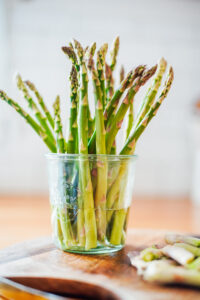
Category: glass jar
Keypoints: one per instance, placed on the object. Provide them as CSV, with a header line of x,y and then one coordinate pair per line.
x,y
90,197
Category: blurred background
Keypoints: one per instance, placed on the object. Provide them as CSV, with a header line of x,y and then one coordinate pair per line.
x,y
31,35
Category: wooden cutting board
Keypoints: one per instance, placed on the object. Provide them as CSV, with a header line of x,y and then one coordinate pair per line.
x,y
40,265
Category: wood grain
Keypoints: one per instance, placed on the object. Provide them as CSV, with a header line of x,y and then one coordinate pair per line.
x,y
40,265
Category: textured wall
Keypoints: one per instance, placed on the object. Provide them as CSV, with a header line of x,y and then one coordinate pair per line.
x,y
31,34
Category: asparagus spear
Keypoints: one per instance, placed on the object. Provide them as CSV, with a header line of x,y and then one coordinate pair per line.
x,y
72,144
193,249
101,54
115,187
110,68
121,74
41,119
69,51
152,92
101,187
86,184
114,52
195,264
131,141
60,143
109,82
130,118
38,129
181,255
151,253
129,148
178,238
115,123
41,102
163,273
113,103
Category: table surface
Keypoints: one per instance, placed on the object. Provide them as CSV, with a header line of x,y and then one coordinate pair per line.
x,y
28,217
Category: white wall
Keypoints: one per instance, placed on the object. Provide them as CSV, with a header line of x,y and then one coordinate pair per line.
x,y
36,29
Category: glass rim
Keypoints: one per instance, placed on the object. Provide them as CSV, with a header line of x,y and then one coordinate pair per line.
x,y
72,156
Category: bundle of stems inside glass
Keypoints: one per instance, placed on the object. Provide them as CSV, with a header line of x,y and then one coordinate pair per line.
x,y
96,135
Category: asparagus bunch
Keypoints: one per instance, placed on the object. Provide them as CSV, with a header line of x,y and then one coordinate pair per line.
x,y
100,217
177,262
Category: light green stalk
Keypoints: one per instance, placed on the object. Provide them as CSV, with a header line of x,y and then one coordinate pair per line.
x,y
113,148
72,144
179,254
193,249
60,143
64,219
86,183
131,141
101,55
69,51
38,129
151,253
152,92
91,121
41,102
41,119
110,68
115,123
101,186
109,83
178,238
121,74
111,106
164,273
114,52
130,120
120,212
195,264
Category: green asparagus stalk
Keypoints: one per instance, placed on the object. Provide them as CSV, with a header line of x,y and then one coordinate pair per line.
x,y
91,121
38,129
86,183
72,144
114,124
41,102
130,118
109,83
69,51
114,52
179,254
131,141
64,219
152,92
110,68
121,74
112,105
164,273
130,147
41,119
101,55
60,143
101,187
193,249
151,253
113,148
195,264
178,238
